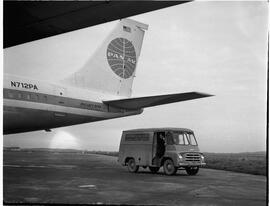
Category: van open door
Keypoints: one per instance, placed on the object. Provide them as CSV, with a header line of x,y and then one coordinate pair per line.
x,y
159,148
154,149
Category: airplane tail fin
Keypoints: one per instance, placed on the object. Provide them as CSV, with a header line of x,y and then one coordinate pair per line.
x,y
112,67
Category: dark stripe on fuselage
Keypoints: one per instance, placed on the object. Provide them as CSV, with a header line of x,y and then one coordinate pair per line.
x,y
57,100
17,119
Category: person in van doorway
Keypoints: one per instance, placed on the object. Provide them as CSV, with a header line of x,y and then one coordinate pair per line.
x,y
160,145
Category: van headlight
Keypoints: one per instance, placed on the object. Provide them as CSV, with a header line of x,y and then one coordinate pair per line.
x,y
180,156
202,157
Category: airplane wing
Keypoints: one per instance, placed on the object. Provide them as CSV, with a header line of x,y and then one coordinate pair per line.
x,y
150,101
26,21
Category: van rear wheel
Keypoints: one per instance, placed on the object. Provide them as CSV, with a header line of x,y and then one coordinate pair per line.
x,y
132,167
154,169
169,167
192,170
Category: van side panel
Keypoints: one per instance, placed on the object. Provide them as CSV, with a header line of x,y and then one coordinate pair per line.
x,y
137,145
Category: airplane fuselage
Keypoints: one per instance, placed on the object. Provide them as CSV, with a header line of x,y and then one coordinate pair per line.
x,y
101,89
31,105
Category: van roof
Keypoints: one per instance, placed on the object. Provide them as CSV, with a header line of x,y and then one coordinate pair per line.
x,y
159,129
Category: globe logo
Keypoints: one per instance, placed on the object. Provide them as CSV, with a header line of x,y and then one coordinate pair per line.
x,y
121,57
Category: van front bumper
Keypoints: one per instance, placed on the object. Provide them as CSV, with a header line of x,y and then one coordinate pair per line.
x,y
187,164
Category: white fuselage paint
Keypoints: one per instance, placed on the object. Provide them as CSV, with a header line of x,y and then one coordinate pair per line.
x,y
31,105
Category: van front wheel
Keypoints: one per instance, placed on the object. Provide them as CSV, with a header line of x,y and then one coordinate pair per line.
x,y
169,167
132,167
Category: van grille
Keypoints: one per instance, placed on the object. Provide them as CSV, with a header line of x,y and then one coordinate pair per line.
x,y
192,157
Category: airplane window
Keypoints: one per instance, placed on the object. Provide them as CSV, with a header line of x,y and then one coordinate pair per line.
x,y
20,95
45,98
37,97
10,95
28,96
34,97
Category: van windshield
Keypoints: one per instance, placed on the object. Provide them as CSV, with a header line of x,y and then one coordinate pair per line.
x,y
184,138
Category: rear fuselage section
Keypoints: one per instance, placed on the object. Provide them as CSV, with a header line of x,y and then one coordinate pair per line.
x,y
31,105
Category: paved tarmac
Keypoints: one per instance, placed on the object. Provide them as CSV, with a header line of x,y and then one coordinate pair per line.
x,y
46,177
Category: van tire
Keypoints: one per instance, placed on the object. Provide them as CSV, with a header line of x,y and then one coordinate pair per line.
x,y
169,168
132,167
192,170
154,169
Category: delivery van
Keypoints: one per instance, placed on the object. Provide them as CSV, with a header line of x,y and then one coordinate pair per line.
x,y
170,148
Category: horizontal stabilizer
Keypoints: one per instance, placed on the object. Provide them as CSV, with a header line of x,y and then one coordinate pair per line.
x,y
150,101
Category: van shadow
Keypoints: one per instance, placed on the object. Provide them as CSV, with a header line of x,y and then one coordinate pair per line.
x,y
161,173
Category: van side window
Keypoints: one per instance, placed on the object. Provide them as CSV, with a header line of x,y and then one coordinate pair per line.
x,y
169,138
186,139
179,139
192,139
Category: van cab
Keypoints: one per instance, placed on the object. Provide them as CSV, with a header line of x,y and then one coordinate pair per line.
x,y
170,148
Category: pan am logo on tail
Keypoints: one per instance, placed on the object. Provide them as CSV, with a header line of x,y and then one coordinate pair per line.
x,y
121,57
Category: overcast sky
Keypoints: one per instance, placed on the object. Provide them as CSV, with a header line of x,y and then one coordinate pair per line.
x,y
212,47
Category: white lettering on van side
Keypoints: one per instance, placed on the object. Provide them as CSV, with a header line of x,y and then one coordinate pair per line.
x,y
23,85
